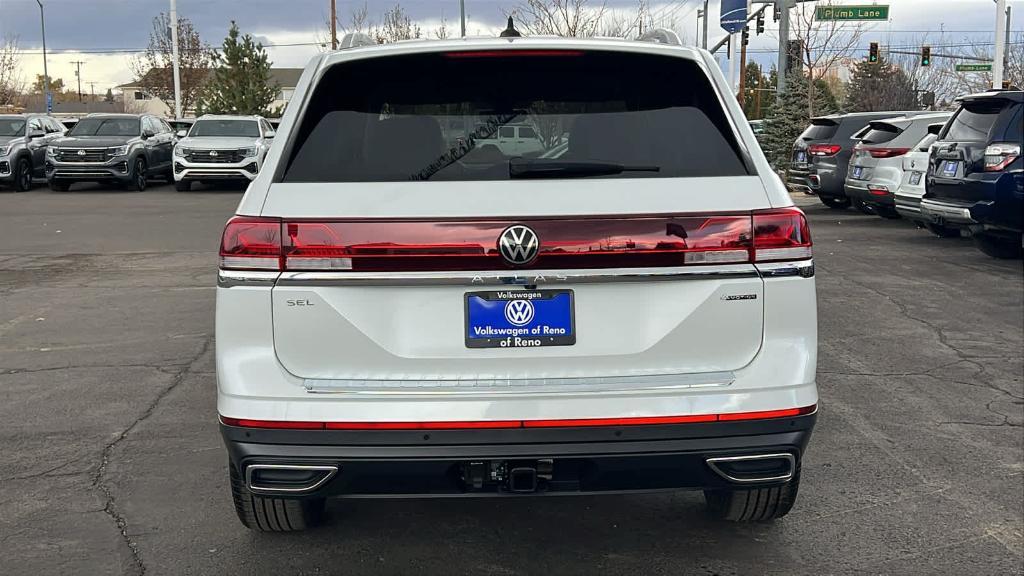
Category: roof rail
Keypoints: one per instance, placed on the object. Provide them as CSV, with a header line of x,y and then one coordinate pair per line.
x,y
353,39
661,36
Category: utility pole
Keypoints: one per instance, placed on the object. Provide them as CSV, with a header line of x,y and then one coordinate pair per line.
x,y
174,58
743,67
704,39
334,24
1006,42
783,6
46,74
997,61
78,75
462,18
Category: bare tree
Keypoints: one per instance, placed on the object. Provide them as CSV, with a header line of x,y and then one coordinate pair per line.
x,y
10,80
358,22
395,25
574,18
441,32
824,44
153,68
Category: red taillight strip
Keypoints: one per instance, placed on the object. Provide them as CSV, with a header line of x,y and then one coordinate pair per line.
x,y
505,424
511,53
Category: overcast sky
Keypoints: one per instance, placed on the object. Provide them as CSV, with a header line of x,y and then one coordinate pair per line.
x,y
94,31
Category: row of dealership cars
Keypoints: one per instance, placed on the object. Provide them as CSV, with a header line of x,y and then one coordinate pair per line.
x,y
958,173
130,150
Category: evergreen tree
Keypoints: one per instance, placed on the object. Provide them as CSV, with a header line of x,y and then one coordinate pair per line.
x,y
241,82
109,97
789,117
878,87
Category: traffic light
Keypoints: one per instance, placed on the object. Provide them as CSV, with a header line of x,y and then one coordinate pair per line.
x,y
745,36
873,53
760,23
926,56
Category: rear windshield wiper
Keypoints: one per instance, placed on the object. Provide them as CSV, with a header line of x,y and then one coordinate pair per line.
x,y
540,168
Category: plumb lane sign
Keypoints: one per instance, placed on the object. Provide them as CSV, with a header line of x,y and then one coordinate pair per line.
x,y
853,12
973,67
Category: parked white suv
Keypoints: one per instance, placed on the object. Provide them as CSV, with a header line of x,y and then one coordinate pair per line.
x,y
220,147
403,313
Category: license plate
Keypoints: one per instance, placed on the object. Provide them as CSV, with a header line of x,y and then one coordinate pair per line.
x,y
949,168
857,171
801,157
520,319
915,178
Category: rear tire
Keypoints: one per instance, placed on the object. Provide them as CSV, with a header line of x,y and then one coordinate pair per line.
x,y
1002,247
835,203
183,185
268,514
59,186
23,175
752,504
943,231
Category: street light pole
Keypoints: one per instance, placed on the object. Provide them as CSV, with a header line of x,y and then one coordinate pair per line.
x,y
462,18
784,6
704,39
174,58
46,73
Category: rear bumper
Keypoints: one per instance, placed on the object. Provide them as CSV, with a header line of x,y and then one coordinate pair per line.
x,y
946,212
865,196
909,207
441,463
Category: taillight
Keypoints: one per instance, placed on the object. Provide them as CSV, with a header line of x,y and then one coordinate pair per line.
x,y
886,152
824,149
251,244
875,190
573,243
1000,155
511,53
781,234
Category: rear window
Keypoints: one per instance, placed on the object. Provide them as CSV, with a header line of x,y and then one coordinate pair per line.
x,y
497,115
880,132
820,130
974,121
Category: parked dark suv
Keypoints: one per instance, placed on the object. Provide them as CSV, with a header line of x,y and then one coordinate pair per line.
x,y
821,155
23,142
124,148
976,174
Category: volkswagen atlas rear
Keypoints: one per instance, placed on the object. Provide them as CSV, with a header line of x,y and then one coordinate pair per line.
x,y
404,311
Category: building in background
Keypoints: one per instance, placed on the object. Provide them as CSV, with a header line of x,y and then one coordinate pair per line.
x,y
138,102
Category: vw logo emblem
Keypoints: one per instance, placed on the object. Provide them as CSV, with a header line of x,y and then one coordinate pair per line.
x,y
518,244
519,312
213,154
81,152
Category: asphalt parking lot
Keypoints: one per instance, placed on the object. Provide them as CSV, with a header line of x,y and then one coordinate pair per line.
x,y
112,462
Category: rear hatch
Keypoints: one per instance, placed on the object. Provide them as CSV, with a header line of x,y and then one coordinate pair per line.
x,y
959,152
815,141
874,146
426,242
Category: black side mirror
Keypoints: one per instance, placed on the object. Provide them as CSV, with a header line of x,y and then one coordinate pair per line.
x,y
36,134
147,134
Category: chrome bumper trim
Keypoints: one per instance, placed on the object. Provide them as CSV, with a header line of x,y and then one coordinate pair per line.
x,y
948,212
232,278
802,269
653,383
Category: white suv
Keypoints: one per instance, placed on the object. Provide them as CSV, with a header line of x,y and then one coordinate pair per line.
x,y
402,312
219,147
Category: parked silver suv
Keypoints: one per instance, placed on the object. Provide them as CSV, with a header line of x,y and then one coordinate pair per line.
x,y
23,142
221,148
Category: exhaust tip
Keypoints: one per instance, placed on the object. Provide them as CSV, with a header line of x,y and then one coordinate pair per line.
x,y
287,478
754,468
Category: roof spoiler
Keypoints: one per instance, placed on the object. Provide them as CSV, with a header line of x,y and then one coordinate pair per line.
x,y
354,39
661,36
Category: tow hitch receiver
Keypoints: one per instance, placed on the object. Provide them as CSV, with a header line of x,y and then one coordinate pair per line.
x,y
519,476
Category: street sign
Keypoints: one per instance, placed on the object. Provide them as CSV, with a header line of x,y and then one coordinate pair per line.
x,y
974,67
734,15
49,102
852,12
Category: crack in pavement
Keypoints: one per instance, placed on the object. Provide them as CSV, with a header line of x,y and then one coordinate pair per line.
x,y
98,479
939,333
158,367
